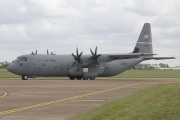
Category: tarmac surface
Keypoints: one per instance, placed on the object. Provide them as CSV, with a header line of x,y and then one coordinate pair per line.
x,y
61,98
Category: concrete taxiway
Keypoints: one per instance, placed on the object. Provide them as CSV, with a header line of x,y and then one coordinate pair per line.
x,y
60,98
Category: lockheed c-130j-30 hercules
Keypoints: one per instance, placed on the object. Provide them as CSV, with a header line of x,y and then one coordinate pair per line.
x,y
79,66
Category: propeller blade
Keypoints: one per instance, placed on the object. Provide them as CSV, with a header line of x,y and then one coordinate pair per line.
x,y
80,54
73,55
77,57
74,63
96,51
78,66
95,55
98,55
77,51
81,61
91,52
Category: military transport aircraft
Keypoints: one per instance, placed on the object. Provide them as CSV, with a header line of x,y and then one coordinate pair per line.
x,y
79,66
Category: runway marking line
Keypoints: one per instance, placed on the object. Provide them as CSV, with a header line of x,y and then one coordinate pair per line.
x,y
4,94
65,99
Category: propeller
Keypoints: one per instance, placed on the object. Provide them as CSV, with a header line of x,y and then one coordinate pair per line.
x,y
34,53
94,54
77,57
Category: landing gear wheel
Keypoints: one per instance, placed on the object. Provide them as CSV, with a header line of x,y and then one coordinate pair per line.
x,y
85,78
92,78
71,78
78,78
24,77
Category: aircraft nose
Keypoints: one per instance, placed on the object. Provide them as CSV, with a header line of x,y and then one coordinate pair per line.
x,y
10,68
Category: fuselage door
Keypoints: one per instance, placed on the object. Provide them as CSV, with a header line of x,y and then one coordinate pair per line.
x,y
36,71
24,68
106,69
61,67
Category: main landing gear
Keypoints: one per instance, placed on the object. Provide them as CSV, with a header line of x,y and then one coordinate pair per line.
x,y
79,78
24,77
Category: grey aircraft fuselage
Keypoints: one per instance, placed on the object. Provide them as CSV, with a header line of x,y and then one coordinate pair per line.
x,y
85,66
60,65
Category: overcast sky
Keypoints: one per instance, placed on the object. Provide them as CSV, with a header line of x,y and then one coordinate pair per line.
x,y
112,25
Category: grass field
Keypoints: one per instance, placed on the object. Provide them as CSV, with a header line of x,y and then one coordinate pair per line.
x,y
6,74
127,74
160,102
150,74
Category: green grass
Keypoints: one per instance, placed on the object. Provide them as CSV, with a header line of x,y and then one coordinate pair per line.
x,y
150,74
6,74
127,74
160,102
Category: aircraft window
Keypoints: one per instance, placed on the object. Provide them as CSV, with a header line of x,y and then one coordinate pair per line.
x,y
22,58
17,59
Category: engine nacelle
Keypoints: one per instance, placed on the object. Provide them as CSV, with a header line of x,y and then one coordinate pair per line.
x,y
90,75
75,72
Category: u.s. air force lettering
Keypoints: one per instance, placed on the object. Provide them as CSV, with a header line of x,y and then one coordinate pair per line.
x,y
46,60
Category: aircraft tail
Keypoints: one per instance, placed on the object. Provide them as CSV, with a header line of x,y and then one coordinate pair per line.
x,y
144,43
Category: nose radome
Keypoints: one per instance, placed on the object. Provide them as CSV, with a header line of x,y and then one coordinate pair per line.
x,y
9,68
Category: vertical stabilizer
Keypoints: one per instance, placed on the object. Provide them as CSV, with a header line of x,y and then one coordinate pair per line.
x,y
144,43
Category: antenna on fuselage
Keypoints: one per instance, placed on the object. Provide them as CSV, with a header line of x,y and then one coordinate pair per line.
x,y
51,53
47,52
32,53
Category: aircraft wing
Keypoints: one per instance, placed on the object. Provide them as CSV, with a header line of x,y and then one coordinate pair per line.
x,y
130,55
159,58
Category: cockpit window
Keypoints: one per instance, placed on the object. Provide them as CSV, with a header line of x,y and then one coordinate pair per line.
x,y
22,59
17,59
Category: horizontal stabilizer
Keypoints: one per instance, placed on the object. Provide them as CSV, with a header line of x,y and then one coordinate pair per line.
x,y
130,55
159,58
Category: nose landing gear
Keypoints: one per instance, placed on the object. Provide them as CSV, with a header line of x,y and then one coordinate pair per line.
x,y
24,77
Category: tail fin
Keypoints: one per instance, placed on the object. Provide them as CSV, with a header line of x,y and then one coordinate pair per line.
x,y
144,43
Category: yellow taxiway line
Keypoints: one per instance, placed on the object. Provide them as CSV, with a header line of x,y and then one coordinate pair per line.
x,y
65,99
4,94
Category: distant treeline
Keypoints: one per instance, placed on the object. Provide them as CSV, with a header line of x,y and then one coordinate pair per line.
x,y
4,64
150,67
